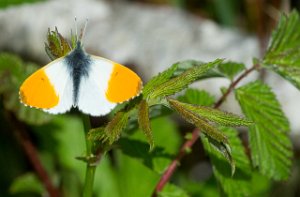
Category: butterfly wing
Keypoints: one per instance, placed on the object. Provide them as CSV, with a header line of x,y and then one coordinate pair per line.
x,y
49,88
107,84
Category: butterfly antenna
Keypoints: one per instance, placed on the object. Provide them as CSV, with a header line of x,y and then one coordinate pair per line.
x,y
76,31
83,30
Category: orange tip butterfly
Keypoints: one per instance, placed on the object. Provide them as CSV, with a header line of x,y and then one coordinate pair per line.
x,y
94,85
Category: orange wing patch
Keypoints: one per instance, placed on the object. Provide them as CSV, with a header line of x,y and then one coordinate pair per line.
x,y
37,91
123,85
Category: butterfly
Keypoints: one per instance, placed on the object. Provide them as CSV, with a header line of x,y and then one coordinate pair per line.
x,y
93,84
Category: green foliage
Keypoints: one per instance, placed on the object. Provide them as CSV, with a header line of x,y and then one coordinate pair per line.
x,y
26,184
238,184
57,45
197,120
113,129
6,3
283,53
130,173
197,97
171,190
137,170
217,138
167,141
231,69
159,79
269,136
144,122
214,115
180,82
12,73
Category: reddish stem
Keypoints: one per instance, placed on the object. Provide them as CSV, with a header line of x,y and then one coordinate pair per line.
x,y
32,154
233,85
172,167
195,134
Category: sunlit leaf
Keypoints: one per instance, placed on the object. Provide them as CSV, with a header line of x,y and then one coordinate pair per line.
x,y
198,121
269,136
185,65
215,115
158,80
231,69
283,53
182,81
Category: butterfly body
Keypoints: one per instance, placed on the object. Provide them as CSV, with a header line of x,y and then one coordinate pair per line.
x,y
93,84
78,62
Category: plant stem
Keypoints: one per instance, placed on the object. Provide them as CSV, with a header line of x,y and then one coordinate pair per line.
x,y
195,134
172,167
89,181
90,169
233,85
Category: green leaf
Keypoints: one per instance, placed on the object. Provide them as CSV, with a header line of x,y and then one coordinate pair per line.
x,y
283,53
144,122
115,126
97,134
167,141
185,65
107,182
171,190
57,45
130,172
4,4
215,115
269,136
216,138
13,71
238,184
231,69
159,79
198,121
182,81
224,150
113,129
134,160
63,141
197,97
27,183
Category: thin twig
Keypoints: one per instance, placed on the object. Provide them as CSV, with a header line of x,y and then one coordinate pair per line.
x,y
195,134
233,85
172,167
32,154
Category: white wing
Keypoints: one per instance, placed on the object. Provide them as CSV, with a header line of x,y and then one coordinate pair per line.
x,y
59,76
92,90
